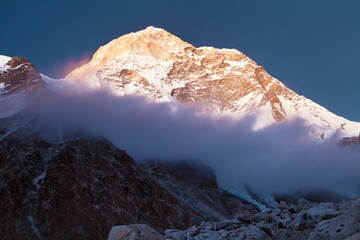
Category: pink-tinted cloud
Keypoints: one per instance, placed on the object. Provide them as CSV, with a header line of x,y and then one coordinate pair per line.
x,y
62,68
280,158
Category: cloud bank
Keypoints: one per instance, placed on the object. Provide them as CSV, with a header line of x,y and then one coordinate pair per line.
x,y
281,158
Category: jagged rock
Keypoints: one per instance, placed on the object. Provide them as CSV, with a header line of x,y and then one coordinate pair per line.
x,y
301,221
134,232
350,141
283,205
19,80
323,211
345,225
280,222
304,204
19,76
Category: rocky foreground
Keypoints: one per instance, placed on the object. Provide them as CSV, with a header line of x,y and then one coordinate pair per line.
x,y
304,220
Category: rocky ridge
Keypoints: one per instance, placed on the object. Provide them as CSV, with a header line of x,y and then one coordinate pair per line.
x,y
18,79
18,75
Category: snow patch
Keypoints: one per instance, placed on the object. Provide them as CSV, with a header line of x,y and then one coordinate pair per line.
x,y
34,229
321,120
36,181
2,88
240,64
245,196
4,60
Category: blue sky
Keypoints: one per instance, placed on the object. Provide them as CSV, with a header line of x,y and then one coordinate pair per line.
x,y
311,46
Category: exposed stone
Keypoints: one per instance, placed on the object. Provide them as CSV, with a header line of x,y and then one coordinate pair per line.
x,y
304,204
249,218
134,232
301,222
283,205
323,211
341,227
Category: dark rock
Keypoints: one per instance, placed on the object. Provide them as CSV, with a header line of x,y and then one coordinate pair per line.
x,y
249,218
78,189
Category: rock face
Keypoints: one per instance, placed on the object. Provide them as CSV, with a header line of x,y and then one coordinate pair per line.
x,y
78,188
350,141
162,67
194,185
18,75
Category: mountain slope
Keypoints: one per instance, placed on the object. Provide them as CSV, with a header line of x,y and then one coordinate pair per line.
x,y
159,65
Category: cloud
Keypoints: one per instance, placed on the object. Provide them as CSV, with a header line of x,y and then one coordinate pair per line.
x,y
62,68
278,159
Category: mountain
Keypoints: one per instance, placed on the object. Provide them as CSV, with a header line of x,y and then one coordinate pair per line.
x,y
66,185
18,75
162,67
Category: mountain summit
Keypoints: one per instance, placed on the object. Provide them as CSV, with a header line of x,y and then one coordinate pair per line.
x,y
156,64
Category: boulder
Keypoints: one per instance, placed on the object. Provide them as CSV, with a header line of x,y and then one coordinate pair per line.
x,y
341,227
134,232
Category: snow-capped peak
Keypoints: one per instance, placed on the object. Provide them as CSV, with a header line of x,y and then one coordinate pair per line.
x,y
4,60
161,66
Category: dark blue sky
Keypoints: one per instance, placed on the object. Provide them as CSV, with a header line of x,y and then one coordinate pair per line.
x,y
311,46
